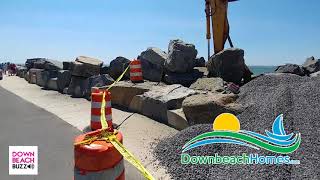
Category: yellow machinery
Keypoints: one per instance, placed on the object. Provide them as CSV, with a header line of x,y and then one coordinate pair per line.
x,y
217,13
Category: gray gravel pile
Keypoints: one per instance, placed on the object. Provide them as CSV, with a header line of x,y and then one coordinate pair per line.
x,y
298,98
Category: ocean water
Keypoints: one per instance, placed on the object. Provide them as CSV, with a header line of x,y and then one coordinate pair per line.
x,y
256,70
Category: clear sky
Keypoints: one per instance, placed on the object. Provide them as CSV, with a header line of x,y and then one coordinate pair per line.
x,y
271,32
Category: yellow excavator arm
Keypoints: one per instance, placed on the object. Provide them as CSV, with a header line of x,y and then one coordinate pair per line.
x,y
217,16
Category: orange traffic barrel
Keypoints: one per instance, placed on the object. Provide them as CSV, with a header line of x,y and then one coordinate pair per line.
x,y
136,71
99,160
96,103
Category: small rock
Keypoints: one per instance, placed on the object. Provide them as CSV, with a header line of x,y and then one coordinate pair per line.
x,y
200,62
117,66
152,63
316,74
291,69
181,57
177,119
209,84
204,108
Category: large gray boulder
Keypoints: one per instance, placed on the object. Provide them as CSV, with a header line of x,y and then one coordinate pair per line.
x,y
30,62
185,79
52,84
311,65
152,62
63,79
229,64
204,108
181,57
44,77
209,84
156,102
98,81
117,66
85,66
291,69
78,86
123,92
44,63
34,75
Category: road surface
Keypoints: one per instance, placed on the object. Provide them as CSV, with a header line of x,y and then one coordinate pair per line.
x,y
24,124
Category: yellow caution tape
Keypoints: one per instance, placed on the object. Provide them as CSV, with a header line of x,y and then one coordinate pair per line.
x,y
110,137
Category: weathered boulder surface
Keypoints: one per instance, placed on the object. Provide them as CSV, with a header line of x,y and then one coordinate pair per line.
x,y
52,84
209,84
123,92
229,64
204,108
316,74
177,119
185,79
34,75
98,81
66,65
27,76
30,62
200,62
117,66
152,63
77,87
104,69
44,77
47,64
85,66
63,79
291,69
311,65
181,57
156,102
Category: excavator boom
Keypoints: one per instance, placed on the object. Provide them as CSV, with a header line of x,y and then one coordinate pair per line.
x,y
217,19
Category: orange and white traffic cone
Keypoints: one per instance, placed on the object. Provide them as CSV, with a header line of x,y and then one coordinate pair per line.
x,y
98,160
136,71
96,103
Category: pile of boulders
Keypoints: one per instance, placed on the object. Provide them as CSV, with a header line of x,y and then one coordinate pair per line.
x,y
310,67
74,78
178,86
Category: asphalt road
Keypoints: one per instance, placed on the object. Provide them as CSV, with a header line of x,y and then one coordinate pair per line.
x,y
24,124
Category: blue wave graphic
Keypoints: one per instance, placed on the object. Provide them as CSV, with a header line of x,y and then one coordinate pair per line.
x,y
271,139
218,141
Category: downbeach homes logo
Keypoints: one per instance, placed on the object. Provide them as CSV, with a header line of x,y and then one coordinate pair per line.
x,y
226,129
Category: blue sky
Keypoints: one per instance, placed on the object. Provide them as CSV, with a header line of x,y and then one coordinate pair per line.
x,y
271,32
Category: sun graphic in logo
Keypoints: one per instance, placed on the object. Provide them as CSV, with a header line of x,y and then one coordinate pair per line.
x,y
226,122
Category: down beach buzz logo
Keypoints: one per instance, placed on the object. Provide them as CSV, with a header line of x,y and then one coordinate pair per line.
x,y
226,129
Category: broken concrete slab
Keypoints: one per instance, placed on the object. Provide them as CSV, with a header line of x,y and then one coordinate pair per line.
x,y
177,119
